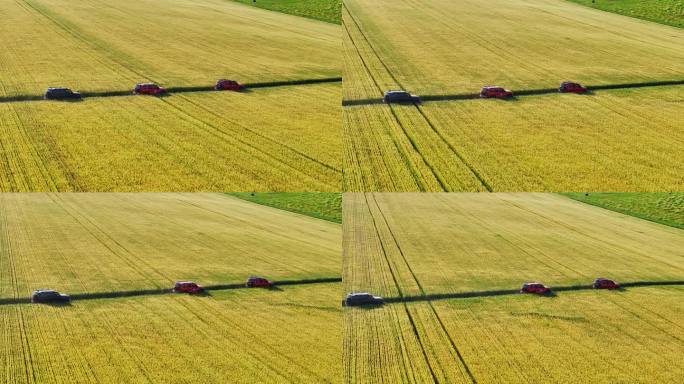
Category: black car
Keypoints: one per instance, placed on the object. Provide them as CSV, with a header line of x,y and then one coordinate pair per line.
x,y
61,94
49,296
361,298
400,97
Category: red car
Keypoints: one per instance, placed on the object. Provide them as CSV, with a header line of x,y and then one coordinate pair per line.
x,y
538,288
495,92
148,89
258,282
228,85
187,287
602,283
570,87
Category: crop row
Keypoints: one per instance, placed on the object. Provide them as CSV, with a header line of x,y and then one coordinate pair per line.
x,y
49,44
182,142
120,242
288,337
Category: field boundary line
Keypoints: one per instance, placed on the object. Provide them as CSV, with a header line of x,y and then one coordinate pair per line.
x,y
507,292
179,89
166,291
523,92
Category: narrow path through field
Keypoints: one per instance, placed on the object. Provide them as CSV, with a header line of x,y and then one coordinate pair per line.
x,y
516,93
152,292
507,292
187,89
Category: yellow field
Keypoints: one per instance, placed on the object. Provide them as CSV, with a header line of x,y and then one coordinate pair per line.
x,y
577,337
85,243
412,247
184,142
97,45
284,336
444,243
445,47
611,140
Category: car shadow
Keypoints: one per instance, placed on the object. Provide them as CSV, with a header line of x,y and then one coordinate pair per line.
x,y
367,307
275,288
57,303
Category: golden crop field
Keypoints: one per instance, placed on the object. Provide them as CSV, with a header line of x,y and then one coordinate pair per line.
x,y
426,252
445,243
279,336
609,140
577,337
100,242
445,47
183,142
622,140
98,45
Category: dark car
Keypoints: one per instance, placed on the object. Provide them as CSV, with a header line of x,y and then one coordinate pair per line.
x,y
187,287
538,288
400,97
489,92
228,85
148,89
258,282
570,87
361,298
61,94
603,283
49,296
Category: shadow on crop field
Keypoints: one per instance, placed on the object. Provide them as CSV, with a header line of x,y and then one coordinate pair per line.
x,y
508,292
522,92
188,89
158,291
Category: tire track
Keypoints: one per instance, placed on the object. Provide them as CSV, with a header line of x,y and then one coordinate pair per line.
x,y
404,156
407,372
458,155
454,347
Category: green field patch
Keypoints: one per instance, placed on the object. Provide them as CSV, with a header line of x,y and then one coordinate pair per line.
x,y
322,205
663,208
670,12
324,10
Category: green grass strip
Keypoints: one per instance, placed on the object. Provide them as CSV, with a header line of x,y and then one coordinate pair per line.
x,y
324,10
669,12
321,205
660,207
